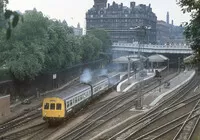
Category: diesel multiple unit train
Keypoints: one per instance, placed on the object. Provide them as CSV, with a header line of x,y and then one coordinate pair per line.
x,y
58,107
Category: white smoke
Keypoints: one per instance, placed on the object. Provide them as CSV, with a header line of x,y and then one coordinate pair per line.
x,y
103,72
86,76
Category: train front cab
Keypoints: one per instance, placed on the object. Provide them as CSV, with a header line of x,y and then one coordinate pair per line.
x,y
53,109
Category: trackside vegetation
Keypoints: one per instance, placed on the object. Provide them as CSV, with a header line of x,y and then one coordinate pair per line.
x,y
40,45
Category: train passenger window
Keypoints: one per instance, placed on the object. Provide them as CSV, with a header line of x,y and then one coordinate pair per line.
x,y
58,106
76,100
46,106
52,106
68,104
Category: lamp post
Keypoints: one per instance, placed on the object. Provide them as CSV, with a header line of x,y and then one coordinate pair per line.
x,y
129,65
178,64
145,28
168,65
139,100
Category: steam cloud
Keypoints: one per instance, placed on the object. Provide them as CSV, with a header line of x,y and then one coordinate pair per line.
x,y
103,72
86,76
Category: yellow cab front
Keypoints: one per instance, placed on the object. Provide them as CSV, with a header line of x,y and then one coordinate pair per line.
x,y
53,109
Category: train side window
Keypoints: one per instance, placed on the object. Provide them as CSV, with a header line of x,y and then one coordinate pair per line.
x,y
46,106
70,102
58,106
75,99
52,106
67,103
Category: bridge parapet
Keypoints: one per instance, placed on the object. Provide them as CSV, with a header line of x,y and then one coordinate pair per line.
x,y
171,48
136,45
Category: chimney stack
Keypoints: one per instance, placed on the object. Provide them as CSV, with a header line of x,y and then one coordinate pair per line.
x,y
132,5
167,18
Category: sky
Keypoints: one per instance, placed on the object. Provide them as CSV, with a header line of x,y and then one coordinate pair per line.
x,y
73,11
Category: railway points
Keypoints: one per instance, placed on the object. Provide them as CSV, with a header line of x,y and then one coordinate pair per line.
x,y
119,119
114,128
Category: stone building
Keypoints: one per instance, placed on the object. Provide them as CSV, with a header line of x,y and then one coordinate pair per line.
x,y
163,32
169,33
124,24
78,31
176,35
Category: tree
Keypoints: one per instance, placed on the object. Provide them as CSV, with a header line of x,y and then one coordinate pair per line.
x,y
63,47
41,45
192,30
23,54
91,47
104,37
8,18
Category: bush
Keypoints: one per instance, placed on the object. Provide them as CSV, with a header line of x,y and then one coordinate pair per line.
x,y
5,74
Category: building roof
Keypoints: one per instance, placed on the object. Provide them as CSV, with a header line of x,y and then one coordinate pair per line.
x,y
189,59
125,59
157,58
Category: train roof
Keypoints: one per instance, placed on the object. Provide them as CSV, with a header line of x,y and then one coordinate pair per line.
x,y
71,91
77,88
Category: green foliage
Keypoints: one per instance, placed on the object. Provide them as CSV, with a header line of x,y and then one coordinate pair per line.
x,y
8,19
4,74
91,48
192,31
63,48
41,45
104,37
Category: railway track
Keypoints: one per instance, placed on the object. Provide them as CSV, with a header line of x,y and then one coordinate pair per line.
x,y
46,131
25,117
165,108
19,121
24,132
187,129
177,125
90,124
